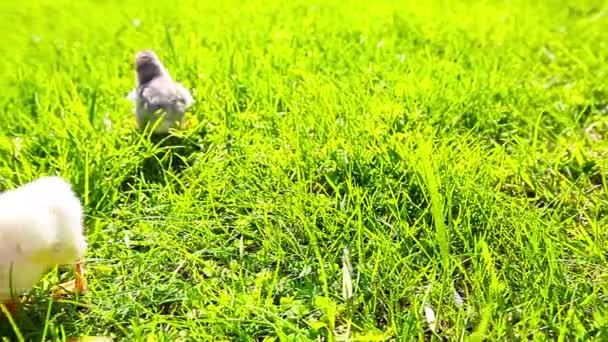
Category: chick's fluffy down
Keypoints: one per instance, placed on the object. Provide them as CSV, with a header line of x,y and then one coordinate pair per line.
x,y
40,227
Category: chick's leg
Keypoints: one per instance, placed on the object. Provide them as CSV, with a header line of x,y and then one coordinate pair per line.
x,y
77,285
11,307
81,280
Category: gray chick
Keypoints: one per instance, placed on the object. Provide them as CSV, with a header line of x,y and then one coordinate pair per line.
x,y
157,95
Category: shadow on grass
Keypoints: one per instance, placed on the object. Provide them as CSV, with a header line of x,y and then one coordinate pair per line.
x,y
36,317
172,158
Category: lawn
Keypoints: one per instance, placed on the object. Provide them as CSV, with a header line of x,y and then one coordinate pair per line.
x,y
349,169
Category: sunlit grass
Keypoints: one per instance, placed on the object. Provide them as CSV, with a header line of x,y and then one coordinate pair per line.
x,y
456,150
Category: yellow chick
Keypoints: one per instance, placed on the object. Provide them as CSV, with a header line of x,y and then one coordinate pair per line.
x,y
41,226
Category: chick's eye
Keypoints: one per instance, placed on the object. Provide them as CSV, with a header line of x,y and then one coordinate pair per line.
x,y
56,248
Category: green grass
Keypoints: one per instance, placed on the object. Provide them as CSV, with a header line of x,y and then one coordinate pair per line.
x,y
449,146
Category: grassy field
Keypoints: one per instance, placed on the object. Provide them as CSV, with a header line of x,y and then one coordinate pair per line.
x,y
348,168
